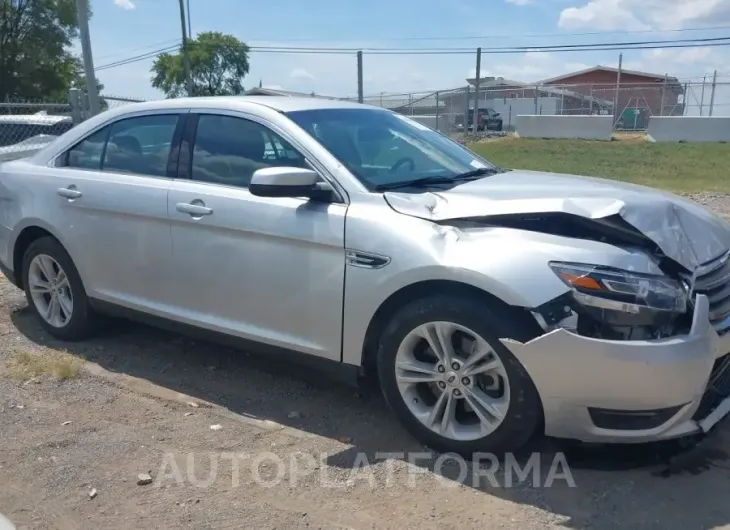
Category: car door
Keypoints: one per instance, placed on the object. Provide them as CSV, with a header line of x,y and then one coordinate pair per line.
x,y
111,190
265,269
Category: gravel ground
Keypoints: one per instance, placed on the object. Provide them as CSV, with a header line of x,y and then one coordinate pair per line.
x,y
308,452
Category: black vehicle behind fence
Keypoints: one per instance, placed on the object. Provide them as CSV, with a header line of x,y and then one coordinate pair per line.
x,y
487,120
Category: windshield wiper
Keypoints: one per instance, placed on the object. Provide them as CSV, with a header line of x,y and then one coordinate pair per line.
x,y
431,181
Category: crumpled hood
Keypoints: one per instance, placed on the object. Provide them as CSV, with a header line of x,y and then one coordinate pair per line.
x,y
683,230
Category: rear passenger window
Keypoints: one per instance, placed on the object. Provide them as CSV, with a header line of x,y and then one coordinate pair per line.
x,y
140,145
228,150
87,154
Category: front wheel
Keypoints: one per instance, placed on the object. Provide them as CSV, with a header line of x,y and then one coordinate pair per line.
x,y
450,380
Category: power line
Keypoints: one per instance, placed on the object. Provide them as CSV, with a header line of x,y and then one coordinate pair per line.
x,y
497,48
472,37
149,46
509,35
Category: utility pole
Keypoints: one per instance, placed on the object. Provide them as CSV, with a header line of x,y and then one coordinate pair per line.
x,y
476,89
190,24
712,94
186,58
82,13
359,77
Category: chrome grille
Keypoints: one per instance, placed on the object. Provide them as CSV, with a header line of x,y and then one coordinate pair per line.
x,y
713,280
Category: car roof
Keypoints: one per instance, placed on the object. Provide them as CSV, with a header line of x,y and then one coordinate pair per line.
x,y
279,103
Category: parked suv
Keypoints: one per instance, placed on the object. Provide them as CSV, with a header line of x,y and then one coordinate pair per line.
x,y
488,303
487,120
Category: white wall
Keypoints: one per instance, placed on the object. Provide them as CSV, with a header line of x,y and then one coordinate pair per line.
x,y
521,106
430,121
689,129
579,127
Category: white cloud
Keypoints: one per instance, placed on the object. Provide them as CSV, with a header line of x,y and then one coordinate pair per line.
x,y
127,5
644,14
300,73
601,15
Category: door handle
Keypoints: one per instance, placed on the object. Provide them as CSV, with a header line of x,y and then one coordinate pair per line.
x,y
69,193
195,210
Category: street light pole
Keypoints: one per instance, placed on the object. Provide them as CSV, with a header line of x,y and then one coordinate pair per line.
x,y
83,19
186,59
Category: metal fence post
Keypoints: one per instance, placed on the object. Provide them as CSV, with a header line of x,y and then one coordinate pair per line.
x,y
466,110
476,90
664,93
712,93
537,89
359,77
437,111
74,99
616,116
702,96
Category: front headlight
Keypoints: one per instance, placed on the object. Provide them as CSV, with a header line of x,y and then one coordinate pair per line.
x,y
621,290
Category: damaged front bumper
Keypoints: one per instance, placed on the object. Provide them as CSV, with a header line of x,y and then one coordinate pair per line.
x,y
596,390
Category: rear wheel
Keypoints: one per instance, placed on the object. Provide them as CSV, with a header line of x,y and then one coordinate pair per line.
x,y
54,290
450,380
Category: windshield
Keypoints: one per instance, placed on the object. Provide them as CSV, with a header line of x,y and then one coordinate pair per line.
x,y
380,147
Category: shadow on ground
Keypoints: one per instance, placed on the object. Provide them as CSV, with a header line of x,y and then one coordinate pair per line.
x,y
649,486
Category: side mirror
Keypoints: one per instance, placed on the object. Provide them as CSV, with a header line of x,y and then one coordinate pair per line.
x,y
288,182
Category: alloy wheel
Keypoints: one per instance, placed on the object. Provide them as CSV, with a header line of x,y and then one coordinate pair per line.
x,y
452,381
50,290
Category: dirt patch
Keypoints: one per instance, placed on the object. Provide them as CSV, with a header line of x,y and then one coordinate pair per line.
x,y
27,366
290,449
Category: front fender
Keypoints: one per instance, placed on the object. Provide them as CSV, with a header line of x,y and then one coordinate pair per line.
x,y
507,263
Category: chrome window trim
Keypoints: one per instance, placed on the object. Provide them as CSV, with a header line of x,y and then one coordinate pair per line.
x,y
138,114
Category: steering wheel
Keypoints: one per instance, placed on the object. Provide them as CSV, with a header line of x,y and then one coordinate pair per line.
x,y
405,160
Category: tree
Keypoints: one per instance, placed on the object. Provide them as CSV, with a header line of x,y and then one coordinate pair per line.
x,y
218,64
35,58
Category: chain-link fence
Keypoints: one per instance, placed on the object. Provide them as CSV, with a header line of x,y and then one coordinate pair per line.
x,y
499,102
28,126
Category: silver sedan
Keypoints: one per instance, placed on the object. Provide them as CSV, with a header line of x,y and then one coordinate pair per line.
x,y
489,303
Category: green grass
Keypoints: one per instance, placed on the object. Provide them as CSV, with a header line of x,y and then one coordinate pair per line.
x,y
675,167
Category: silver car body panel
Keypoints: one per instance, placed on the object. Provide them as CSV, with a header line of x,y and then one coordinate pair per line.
x,y
294,273
622,375
685,232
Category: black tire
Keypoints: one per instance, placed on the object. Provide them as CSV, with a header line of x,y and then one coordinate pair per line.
x,y
524,415
79,325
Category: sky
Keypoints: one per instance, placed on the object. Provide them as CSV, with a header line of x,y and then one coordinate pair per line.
x,y
124,28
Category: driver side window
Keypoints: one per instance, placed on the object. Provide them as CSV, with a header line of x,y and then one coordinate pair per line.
x,y
228,150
